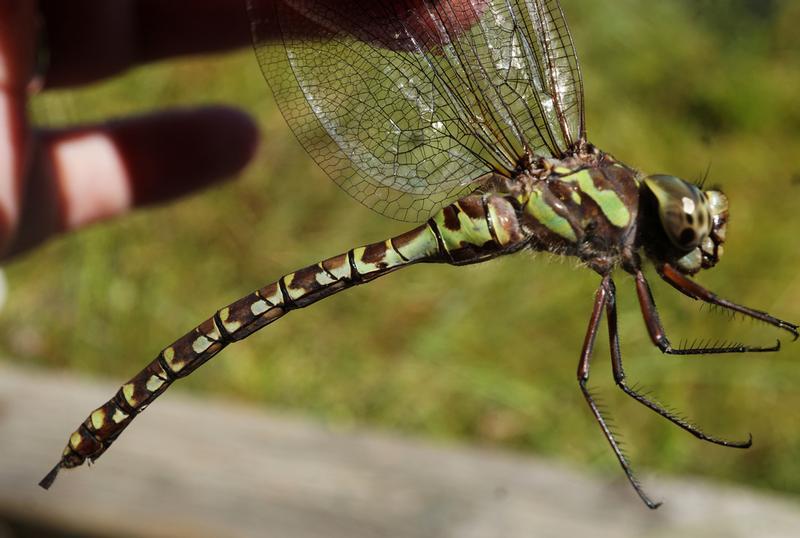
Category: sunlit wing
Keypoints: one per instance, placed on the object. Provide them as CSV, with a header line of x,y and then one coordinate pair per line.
x,y
407,104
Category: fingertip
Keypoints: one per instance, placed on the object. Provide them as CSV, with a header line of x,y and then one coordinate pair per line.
x,y
95,172
170,153
231,133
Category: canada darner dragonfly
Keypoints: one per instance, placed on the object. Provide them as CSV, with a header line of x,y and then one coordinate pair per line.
x,y
467,115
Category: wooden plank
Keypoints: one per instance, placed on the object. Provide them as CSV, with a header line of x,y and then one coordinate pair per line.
x,y
192,467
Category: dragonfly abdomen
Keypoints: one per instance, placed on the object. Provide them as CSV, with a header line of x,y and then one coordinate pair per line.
x,y
478,227
471,230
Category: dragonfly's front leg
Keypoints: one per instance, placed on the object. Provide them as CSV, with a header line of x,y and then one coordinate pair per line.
x,y
604,293
659,336
694,290
651,318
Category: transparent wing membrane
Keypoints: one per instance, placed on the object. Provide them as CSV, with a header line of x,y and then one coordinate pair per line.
x,y
407,104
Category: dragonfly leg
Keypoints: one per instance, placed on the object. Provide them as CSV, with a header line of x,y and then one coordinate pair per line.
x,y
619,378
659,337
694,290
605,290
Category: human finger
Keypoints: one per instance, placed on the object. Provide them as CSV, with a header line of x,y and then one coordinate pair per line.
x,y
392,24
93,39
89,40
17,50
92,173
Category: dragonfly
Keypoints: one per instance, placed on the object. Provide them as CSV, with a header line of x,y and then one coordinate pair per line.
x,y
466,117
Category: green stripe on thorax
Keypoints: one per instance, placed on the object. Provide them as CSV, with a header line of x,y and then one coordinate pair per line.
x,y
542,211
609,202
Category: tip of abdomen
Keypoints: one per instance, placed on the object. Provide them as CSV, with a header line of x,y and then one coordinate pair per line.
x,y
48,480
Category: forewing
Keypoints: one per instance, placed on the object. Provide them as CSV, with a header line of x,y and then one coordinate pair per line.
x,y
406,104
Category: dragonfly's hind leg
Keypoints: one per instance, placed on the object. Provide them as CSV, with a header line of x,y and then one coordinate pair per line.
x,y
619,372
604,292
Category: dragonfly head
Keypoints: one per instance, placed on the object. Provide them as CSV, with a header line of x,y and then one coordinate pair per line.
x,y
690,227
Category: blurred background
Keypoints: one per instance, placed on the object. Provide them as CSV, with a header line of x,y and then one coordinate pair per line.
x,y
485,355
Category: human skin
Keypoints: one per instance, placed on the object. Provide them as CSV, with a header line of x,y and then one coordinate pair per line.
x,y
54,181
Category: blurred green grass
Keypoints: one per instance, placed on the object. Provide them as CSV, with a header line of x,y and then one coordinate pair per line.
x,y
488,353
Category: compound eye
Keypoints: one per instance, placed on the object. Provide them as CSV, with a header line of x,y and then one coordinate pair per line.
x,y
682,210
688,237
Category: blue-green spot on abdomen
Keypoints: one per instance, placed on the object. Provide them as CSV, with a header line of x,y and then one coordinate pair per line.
x,y
608,201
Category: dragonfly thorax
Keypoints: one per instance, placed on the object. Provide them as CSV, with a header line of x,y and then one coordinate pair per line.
x,y
584,205
683,225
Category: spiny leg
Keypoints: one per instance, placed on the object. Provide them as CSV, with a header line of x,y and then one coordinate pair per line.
x,y
659,337
600,301
619,372
694,290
